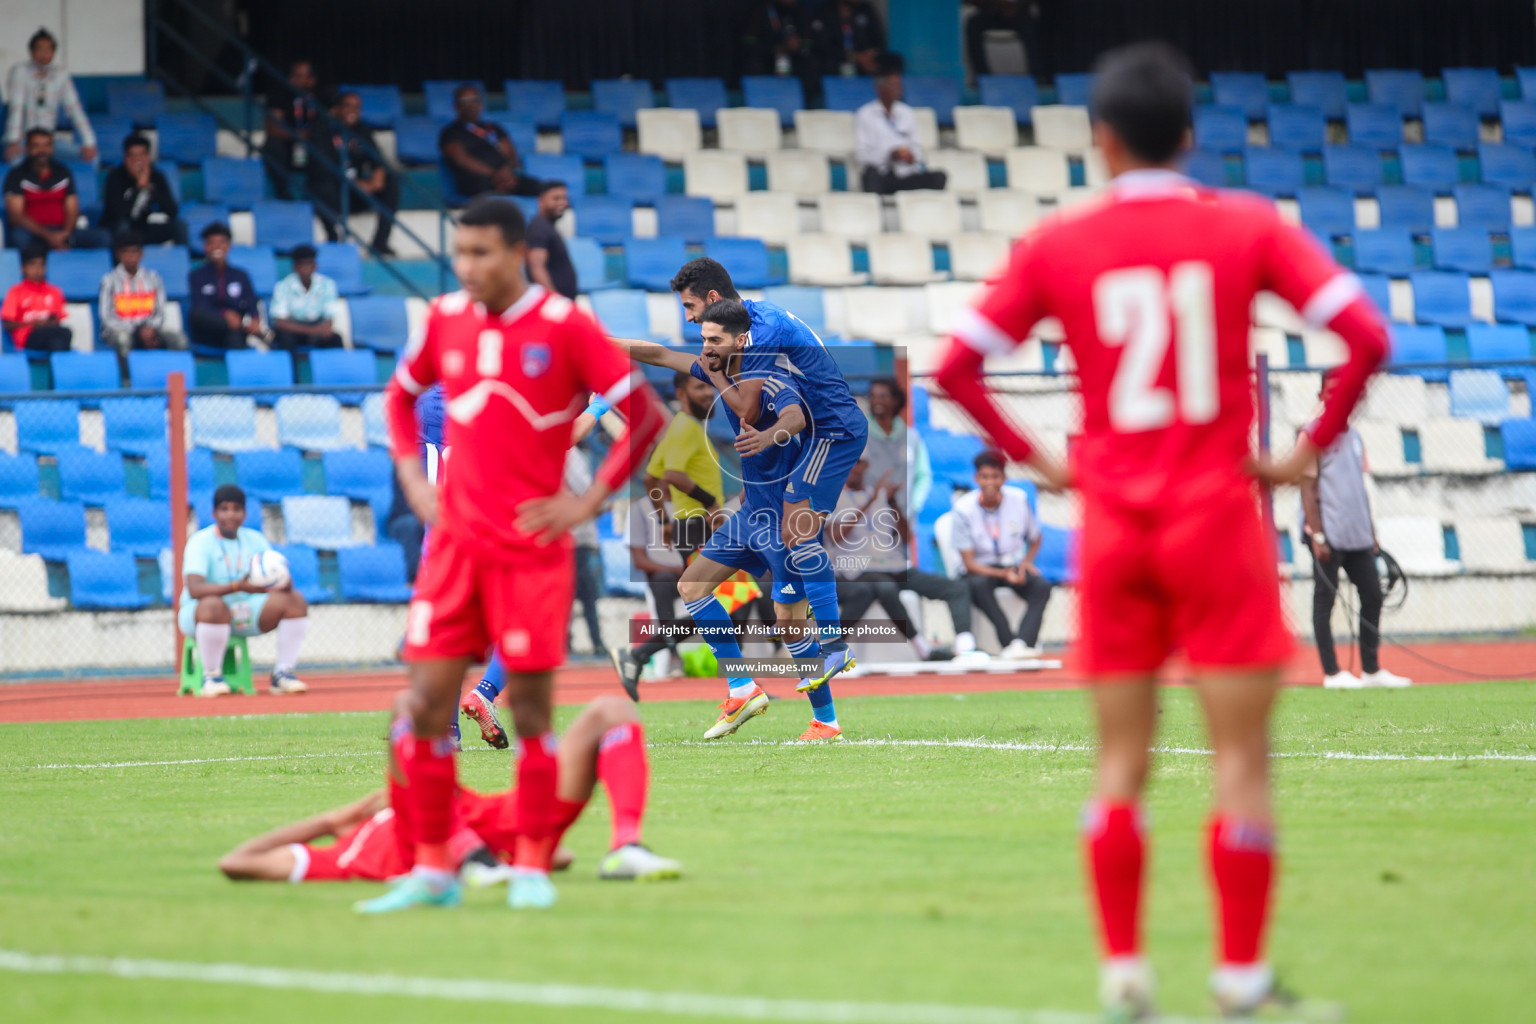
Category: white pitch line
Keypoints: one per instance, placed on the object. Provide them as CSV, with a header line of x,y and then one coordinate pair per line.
x,y
469,990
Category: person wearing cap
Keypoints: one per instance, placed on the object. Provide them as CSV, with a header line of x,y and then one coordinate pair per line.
x,y
225,311
304,306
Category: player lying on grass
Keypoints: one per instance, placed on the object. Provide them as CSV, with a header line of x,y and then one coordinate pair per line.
x,y
374,841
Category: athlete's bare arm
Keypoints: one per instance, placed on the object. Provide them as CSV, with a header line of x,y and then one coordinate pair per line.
x,y
267,858
751,440
652,354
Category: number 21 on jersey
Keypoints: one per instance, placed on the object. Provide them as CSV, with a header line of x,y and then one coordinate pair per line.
x,y
1135,309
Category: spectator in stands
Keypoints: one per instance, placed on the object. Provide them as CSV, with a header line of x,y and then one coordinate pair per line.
x,y
291,112
1017,16
225,310
131,306
349,143
888,150
1336,510
895,449
33,309
137,197
40,201
856,38
405,529
35,90
480,156
304,306
549,264
785,38
589,561
658,563
998,537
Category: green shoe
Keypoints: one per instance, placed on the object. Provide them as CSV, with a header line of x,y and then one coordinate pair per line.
x,y
531,890
414,891
837,662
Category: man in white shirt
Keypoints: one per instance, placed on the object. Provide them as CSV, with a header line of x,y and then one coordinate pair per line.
x,y
304,306
998,538
35,91
888,150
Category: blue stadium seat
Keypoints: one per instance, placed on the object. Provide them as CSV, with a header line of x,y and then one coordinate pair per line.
x,y
1519,443
1206,167
140,102
47,425
259,261
1415,343
747,260
134,426
270,475
1514,297
620,98
1247,91
198,216
10,269
524,135
1482,206
1057,558
838,93
87,187
321,521
18,479
1441,297
224,423
641,177
138,526
1384,251
566,167
374,573
1431,166
50,528
84,371
379,321
706,95
691,218
623,313
110,133
338,367
366,475
383,105
1375,125
200,478
541,102
15,377
774,92
1297,127
89,476
1018,93
374,429
304,568
1523,243
1476,88
78,272
1378,288
591,134
1503,164
342,263
1479,395
1074,88
939,92
804,302
859,362
1525,78
1450,124
1326,211
950,455
1403,90
1326,90
1223,129
1274,172
609,219
591,264
239,184
416,140
172,176
100,579
1468,250
1518,118
651,263
1406,206
283,224
1490,345
310,423
188,139
150,369
172,263
439,95
1356,168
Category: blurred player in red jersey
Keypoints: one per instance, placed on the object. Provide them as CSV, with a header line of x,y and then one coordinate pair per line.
x,y
517,365
373,842
1153,284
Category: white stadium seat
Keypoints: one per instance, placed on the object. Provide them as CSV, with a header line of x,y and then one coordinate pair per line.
x,y
1035,169
1008,211
976,255
989,130
853,215
929,213
1417,543
668,132
946,302
825,260
826,131
1271,342
1493,544
879,314
1455,446
1095,171
1062,127
24,585
927,127
750,130
1383,448
966,172
716,175
1324,349
771,216
1399,399
901,258
801,171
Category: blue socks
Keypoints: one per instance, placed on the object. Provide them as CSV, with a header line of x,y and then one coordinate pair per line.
x,y
821,697
809,559
495,679
714,624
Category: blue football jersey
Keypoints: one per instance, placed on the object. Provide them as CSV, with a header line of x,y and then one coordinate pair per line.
x,y
764,475
781,343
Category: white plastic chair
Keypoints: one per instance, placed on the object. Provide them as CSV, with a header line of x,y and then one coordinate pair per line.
x,y
853,215
750,130
990,130
771,216
946,301
1417,543
1008,211
977,255
966,172
902,258
928,213
1062,127
825,260
878,314
803,172
1036,169
825,131
668,132
1492,544
715,174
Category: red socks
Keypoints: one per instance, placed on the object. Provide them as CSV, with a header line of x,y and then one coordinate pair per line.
x,y
1241,855
537,808
431,779
622,767
1115,849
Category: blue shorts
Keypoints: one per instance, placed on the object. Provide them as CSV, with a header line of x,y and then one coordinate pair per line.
x,y
823,470
752,540
186,618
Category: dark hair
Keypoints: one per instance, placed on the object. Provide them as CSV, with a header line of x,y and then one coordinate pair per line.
x,y
127,240
35,251
228,493
897,391
295,62
44,132
216,227
491,212
702,276
302,252
466,87
40,35
342,94
680,378
133,141
1143,93
889,63
989,457
551,183
730,314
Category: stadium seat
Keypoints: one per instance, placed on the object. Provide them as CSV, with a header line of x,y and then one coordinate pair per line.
x,y
590,134
78,272
260,262
1468,250
825,131
198,216
1008,211
342,263
651,263
1431,166
1503,164
940,93
416,141
284,224
172,263
669,133
340,367
1384,251
1475,88
374,429
1221,129
1520,443
753,131
1503,347
902,258
1406,206
1414,344
1244,91
747,259
188,139
379,322
100,579
1074,88
50,528
1492,544
640,177
1374,126
269,475
134,426
772,216
869,313
541,102
608,219
1043,172
1441,298
89,476
781,93
1274,171
319,521
1523,245
804,303
47,425
946,301
932,215
18,479
622,98
1479,395
1482,206
1454,446
1062,127
304,568
310,423
1417,542
705,95
1450,124
382,105
224,423
853,215
1327,212
566,167
802,172
691,218
1356,168
366,475
149,369
590,263
825,260
1297,127
849,94
1518,119
239,184
1206,167
977,255
200,477
1018,93
966,172
15,376
1326,90
375,573
139,101
715,174
85,371
1514,296
624,313
989,130
138,526
1402,90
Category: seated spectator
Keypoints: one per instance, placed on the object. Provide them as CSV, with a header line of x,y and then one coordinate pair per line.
x,y
894,448
998,537
35,90
225,310
784,38
589,561
856,38
480,156
887,147
291,112
33,309
349,143
131,307
304,306
137,197
40,201
549,262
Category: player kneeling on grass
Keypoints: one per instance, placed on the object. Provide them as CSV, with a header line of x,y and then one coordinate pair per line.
x,y
374,840
218,598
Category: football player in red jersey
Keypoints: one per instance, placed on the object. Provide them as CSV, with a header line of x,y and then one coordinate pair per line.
x,y
516,364
1153,283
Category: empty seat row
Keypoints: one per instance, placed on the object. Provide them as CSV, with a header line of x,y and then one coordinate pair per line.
x,y
1276,171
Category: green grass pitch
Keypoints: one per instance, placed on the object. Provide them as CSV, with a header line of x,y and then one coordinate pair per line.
x,y
869,873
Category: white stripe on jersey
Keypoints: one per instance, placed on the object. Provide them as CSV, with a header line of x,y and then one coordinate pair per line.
x,y
981,335
1331,299
620,391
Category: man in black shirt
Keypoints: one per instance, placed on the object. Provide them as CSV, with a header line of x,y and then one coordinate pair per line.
x,y
138,198
855,37
291,112
480,157
348,143
549,264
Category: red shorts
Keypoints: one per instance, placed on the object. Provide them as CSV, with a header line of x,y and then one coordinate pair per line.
x,y
1200,577
367,852
465,601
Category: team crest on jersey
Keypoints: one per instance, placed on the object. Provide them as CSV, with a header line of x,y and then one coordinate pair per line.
x,y
536,359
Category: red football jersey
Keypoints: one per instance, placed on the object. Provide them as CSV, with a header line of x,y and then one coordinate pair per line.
x,y
1154,284
513,385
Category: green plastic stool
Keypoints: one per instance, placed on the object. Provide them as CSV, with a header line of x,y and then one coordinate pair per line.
x,y
237,667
